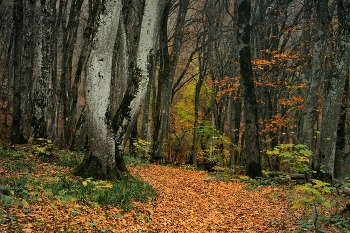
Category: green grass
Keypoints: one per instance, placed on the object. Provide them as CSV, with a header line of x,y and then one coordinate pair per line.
x,y
69,158
30,177
136,161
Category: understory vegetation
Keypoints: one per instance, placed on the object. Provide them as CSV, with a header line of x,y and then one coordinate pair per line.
x,y
36,193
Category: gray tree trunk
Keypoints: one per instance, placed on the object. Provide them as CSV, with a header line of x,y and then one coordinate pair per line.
x,y
126,115
70,27
335,91
99,161
168,61
315,80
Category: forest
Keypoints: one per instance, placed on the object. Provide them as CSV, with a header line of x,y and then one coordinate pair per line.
x,y
234,95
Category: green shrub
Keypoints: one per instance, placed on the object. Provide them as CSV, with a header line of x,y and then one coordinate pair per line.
x,y
12,154
294,158
311,198
88,191
43,147
136,161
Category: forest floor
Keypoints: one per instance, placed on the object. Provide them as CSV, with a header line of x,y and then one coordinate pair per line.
x,y
185,202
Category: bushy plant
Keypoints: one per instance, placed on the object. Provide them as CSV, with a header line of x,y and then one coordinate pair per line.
x,y
94,193
311,197
43,147
294,158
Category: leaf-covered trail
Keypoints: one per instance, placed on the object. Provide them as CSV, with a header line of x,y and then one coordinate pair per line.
x,y
187,203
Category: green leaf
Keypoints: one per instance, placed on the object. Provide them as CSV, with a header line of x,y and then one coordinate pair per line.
x,y
73,213
10,216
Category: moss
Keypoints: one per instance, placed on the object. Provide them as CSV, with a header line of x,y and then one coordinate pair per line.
x,y
92,167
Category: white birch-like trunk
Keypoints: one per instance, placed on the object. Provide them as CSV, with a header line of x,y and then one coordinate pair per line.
x,y
131,105
100,137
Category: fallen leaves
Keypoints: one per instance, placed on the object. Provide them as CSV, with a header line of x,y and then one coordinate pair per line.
x,y
185,202
189,204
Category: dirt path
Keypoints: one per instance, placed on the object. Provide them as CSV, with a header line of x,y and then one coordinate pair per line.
x,y
187,203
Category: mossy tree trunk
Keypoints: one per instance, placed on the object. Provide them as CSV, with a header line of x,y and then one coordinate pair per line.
x,y
99,161
108,133
126,115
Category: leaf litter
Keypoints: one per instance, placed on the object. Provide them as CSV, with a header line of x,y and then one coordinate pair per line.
x,y
185,202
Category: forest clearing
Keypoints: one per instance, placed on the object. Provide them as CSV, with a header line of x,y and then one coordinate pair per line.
x,y
43,196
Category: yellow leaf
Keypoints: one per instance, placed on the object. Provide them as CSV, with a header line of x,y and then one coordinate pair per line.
x,y
27,230
84,183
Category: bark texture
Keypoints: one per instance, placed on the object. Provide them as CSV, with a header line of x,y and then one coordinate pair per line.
x,y
42,82
335,91
252,151
99,161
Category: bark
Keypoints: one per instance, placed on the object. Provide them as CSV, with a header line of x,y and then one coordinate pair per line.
x,y
99,161
67,95
42,88
168,61
335,91
79,77
27,66
18,132
317,77
341,134
127,113
252,150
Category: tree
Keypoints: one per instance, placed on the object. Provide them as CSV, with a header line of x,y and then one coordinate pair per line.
x,y
18,132
168,64
251,137
42,89
107,134
126,115
334,94
99,161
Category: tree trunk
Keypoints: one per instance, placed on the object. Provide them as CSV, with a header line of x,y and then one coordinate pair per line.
x,y
67,95
252,150
18,132
80,126
316,80
42,88
99,161
129,109
27,66
168,61
341,134
335,93
196,119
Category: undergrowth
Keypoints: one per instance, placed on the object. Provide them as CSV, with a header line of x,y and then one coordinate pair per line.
x,y
26,178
